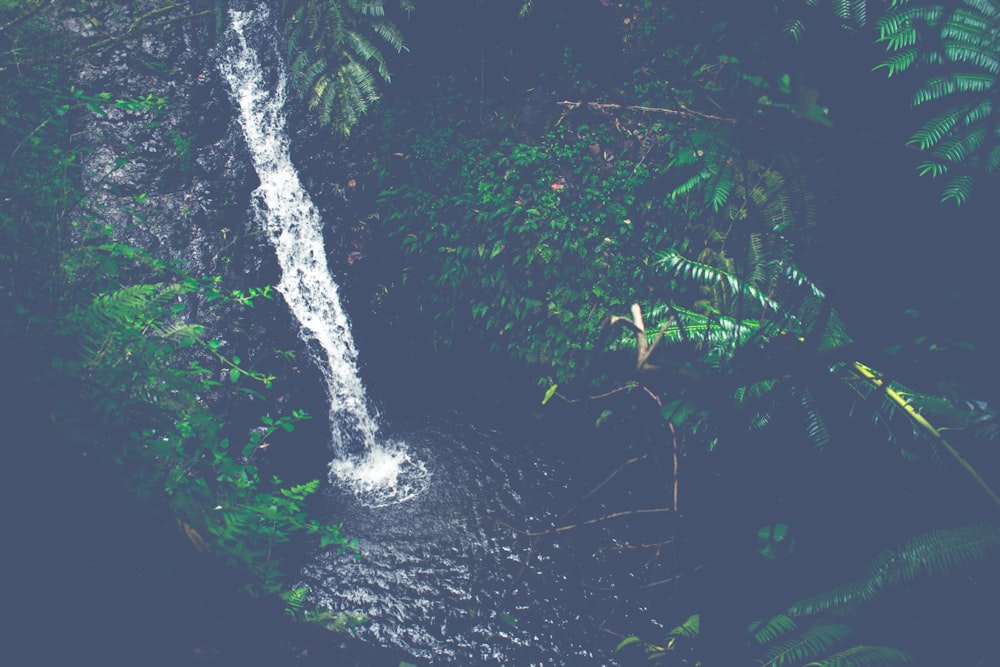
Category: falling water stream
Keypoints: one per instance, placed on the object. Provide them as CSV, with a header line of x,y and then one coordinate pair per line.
x,y
381,470
443,576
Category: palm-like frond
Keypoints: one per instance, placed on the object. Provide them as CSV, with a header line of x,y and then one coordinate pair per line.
x,y
851,14
813,422
964,40
336,64
136,309
689,628
808,644
764,632
711,276
715,335
942,551
863,656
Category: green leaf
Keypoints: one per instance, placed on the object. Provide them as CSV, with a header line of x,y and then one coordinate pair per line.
x,y
631,639
549,393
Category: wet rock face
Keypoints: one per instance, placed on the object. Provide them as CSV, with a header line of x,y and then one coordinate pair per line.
x,y
167,169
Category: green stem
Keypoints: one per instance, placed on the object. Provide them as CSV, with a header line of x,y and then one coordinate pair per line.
x,y
921,421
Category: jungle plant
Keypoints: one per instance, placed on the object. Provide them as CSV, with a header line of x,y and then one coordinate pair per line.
x,y
937,552
962,45
335,62
141,385
142,367
778,642
955,49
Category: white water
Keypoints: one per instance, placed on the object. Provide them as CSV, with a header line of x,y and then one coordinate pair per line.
x,y
380,472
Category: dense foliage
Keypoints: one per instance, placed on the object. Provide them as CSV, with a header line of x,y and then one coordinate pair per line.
x,y
638,227
142,384
636,203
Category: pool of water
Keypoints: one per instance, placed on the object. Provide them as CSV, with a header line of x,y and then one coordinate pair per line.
x,y
447,577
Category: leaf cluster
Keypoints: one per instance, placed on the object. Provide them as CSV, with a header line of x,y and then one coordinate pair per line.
x,y
335,54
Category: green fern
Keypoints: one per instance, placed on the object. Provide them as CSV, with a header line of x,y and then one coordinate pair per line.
x,y
766,632
125,313
964,40
294,600
958,189
863,656
813,422
711,276
851,14
808,644
689,628
942,551
336,65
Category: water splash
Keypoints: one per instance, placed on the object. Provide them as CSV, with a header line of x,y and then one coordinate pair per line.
x,y
382,472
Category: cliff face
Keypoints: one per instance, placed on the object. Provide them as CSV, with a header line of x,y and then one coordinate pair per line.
x,y
167,169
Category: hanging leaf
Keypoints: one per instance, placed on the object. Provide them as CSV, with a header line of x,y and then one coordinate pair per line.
x,y
631,639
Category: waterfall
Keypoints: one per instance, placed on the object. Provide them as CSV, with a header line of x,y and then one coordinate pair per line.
x,y
383,471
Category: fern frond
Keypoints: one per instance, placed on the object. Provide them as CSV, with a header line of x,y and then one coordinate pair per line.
x,y
334,58
936,552
181,331
935,129
977,112
754,390
766,632
899,62
814,423
980,55
935,169
717,335
942,86
390,34
958,189
842,9
689,628
863,656
718,194
962,149
898,28
859,12
712,276
809,644
371,8
992,161
794,28
687,186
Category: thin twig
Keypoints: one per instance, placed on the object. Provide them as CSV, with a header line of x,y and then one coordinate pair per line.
x,y
652,584
625,387
617,470
683,112
588,522
631,547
